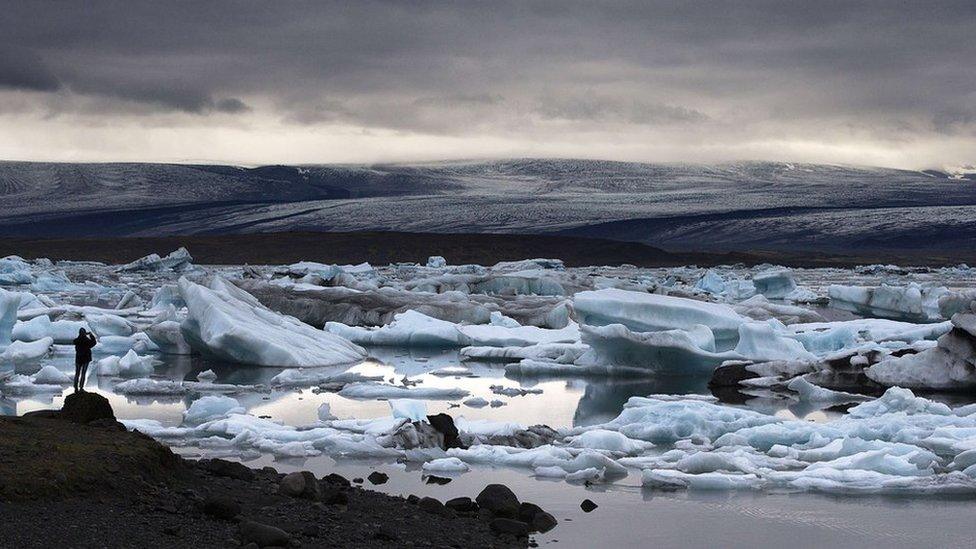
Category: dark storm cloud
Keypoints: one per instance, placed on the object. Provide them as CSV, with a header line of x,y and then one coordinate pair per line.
x,y
452,68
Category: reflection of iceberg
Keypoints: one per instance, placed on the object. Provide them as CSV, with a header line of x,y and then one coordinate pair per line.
x,y
226,322
602,401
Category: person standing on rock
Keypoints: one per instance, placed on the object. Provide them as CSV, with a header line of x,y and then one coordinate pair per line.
x,y
83,346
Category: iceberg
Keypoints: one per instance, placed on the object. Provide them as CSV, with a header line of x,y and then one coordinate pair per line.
x,y
226,322
39,327
406,408
209,408
20,351
9,304
408,329
642,312
130,365
911,303
372,391
774,283
669,352
178,260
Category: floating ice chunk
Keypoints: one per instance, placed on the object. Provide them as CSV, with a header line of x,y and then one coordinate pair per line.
x,y
519,336
565,353
145,386
760,342
209,408
130,365
946,366
39,327
305,377
168,336
660,421
120,345
711,282
642,312
543,368
408,329
956,302
550,472
22,384
774,283
759,308
670,352
612,441
475,402
899,400
446,465
498,319
178,260
106,325
811,392
414,410
872,329
14,270
167,295
228,323
671,479
20,351
436,262
9,304
911,303
207,376
49,375
367,391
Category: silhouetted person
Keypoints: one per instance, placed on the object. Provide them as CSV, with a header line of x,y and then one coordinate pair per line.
x,y
83,346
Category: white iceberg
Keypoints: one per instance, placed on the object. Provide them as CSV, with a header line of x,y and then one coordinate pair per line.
x,y
228,323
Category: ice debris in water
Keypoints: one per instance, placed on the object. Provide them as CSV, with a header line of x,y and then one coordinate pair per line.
x,y
210,407
20,352
226,322
911,303
408,408
130,365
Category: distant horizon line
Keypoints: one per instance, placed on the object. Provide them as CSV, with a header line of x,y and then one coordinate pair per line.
x,y
955,170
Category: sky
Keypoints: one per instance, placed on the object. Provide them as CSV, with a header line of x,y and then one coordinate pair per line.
x,y
886,83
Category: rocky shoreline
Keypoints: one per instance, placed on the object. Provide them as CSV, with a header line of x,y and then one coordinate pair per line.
x,y
78,478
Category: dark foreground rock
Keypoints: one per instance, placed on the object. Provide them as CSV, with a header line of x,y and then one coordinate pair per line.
x,y
84,485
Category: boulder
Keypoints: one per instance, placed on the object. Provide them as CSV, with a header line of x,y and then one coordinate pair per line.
x,y
377,477
84,407
462,505
300,484
263,535
500,500
588,506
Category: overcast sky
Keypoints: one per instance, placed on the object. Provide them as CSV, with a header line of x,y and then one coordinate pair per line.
x,y
883,83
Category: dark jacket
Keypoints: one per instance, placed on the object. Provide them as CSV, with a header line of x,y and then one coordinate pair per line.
x,y
83,347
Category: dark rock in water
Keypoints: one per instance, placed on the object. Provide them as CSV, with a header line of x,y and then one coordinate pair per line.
x,y
588,506
729,375
527,511
83,407
377,477
263,535
357,480
434,479
509,526
300,484
229,469
543,522
462,505
337,480
431,505
445,425
221,507
500,500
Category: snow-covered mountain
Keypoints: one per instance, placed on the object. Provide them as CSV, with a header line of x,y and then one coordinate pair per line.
x,y
753,205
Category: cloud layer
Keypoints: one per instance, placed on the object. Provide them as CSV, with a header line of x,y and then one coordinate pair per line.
x,y
858,82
